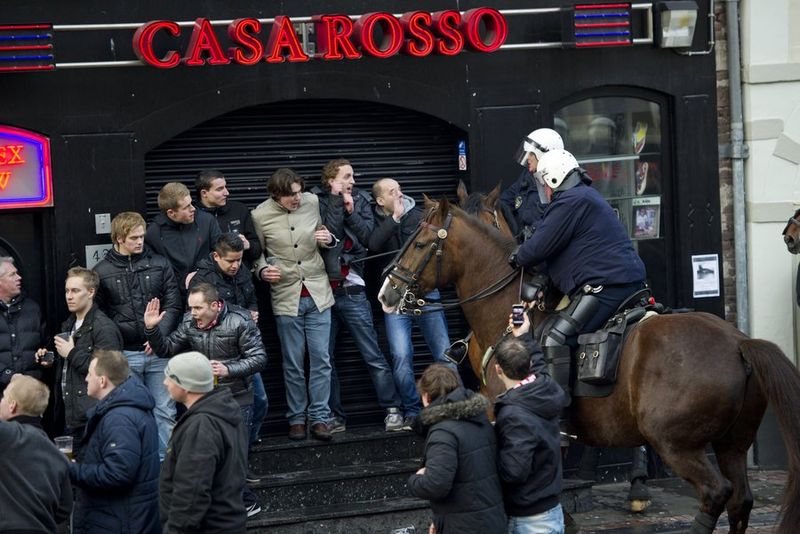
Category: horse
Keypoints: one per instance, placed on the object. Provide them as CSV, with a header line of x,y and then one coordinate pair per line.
x,y
684,380
791,233
484,207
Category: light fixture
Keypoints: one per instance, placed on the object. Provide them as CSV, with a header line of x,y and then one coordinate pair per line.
x,y
675,23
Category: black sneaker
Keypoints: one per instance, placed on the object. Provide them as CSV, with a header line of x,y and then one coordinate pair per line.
x,y
253,509
252,478
409,421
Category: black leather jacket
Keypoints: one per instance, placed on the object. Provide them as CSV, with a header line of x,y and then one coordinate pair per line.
x,y
127,283
234,341
96,332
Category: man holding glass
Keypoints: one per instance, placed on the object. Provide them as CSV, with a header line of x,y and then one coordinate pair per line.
x,y
35,492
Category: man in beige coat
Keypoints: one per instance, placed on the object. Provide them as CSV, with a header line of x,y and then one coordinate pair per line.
x,y
290,230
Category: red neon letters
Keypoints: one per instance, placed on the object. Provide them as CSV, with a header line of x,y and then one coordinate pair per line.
x,y
378,34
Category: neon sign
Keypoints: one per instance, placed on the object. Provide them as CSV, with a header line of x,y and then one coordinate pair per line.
x,y
25,169
378,34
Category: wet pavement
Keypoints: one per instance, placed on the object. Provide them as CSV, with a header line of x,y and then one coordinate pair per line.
x,y
674,506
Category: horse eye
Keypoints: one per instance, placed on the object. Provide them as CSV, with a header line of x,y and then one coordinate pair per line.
x,y
419,244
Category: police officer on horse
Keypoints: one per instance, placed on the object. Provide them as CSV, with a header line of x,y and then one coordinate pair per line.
x,y
583,247
522,197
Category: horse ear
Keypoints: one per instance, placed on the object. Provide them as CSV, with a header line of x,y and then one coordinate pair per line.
x,y
494,194
428,202
444,207
461,192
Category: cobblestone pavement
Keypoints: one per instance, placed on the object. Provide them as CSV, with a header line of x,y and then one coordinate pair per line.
x,y
674,506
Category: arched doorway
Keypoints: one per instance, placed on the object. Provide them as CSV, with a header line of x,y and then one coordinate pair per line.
x,y
247,145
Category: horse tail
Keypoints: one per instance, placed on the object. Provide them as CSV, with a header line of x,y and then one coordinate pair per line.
x,y
780,382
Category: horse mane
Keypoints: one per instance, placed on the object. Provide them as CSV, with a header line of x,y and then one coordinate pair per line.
x,y
473,204
506,244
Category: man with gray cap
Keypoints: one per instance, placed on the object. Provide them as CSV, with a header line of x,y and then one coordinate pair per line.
x,y
203,474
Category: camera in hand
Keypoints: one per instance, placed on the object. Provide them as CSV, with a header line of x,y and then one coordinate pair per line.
x,y
47,358
517,314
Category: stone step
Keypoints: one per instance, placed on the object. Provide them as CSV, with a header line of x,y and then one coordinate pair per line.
x,y
360,446
384,515
334,485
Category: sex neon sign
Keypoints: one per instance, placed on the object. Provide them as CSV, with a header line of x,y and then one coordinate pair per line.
x,y
25,171
378,34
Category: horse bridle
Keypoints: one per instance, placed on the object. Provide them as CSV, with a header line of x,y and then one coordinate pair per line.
x,y
411,278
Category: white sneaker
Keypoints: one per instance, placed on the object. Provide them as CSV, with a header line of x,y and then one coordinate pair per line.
x,y
336,425
393,420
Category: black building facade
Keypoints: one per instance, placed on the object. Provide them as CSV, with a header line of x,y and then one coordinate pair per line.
x,y
641,118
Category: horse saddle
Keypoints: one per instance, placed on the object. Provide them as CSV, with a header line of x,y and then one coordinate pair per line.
x,y
596,358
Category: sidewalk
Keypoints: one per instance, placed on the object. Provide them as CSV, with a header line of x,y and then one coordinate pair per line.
x,y
674,506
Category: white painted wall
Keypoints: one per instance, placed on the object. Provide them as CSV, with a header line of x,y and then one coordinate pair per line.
x,y
771,94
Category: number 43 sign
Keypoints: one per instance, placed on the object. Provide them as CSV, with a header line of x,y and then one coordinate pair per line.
x,y
95,253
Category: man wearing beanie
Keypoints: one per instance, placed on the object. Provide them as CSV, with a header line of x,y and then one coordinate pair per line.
x,y
204,469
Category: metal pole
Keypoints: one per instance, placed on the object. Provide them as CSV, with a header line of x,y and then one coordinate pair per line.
x,y
737,165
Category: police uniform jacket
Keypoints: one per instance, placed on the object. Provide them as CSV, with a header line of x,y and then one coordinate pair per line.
x,y
582,242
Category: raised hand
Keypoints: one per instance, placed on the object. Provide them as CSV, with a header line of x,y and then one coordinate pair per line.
x,y
153,313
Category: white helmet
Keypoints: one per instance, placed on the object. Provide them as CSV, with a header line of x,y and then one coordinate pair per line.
x,y
555,166
538,142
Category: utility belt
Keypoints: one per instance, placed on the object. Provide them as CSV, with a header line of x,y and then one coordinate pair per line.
x,y
343,290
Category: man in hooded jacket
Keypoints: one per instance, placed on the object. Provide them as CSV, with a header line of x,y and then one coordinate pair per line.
x,y
528,439
117,470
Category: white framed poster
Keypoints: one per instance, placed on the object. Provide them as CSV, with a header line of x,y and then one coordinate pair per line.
x,y
705,276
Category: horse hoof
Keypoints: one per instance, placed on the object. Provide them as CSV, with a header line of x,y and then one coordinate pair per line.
x,y
639,506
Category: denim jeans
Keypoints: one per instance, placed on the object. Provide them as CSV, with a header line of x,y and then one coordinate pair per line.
x,y
260,404
311,327
247,418
150,370
549,522
398,330
353,313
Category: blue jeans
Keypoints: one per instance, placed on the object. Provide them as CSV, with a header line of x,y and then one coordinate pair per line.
x,y
549,522
150,370
311,327
398,330
354,313
260,404
247,419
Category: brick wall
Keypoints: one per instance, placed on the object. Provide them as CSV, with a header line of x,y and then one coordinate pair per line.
x,y
725,175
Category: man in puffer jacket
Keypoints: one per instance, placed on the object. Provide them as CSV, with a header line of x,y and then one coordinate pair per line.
x,y
460,475
117,470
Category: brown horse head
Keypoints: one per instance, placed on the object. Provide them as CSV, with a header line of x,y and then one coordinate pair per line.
x,y
432,257
485,207
791,233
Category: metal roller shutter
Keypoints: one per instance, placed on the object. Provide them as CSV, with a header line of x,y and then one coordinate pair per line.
x,y
247,145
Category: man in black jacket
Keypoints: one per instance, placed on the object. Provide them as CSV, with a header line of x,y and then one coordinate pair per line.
x,y
200,489
528,439
347,214
20,327
85,330
34,487
231,216
130,276
181,233
227,335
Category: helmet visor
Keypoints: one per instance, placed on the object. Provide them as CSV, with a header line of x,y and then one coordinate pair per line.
x,y
522,154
